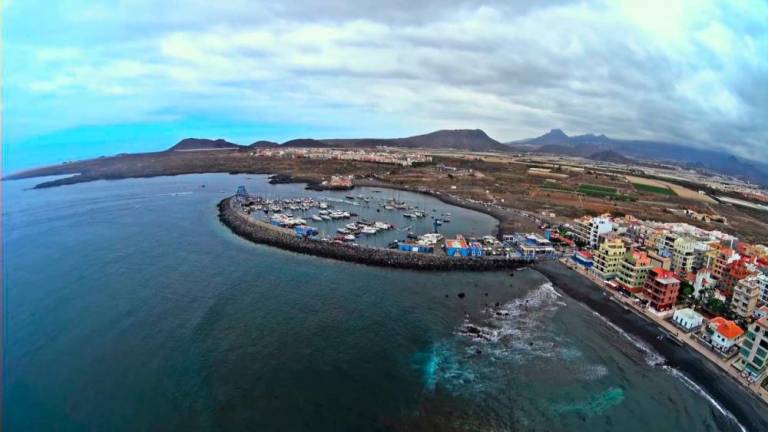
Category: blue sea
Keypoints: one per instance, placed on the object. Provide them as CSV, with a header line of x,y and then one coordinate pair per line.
x,y
128,306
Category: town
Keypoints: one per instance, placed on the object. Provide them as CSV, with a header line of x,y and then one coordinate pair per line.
x,y
707,289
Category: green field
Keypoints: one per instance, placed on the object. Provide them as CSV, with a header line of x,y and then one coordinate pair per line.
x,y
597,191
653,189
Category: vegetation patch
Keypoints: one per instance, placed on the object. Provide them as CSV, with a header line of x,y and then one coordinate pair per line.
x,y
597,191
654,189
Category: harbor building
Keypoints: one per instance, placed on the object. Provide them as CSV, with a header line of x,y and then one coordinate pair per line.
x,y
633,271
687,319
588,229
608,258
661,289
457,247
753,353
531,246
746,294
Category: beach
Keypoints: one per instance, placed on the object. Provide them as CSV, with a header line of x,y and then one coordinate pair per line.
x,y
731,395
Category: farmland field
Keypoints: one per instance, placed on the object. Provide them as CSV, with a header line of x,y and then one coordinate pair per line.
x,y
597,191
654,189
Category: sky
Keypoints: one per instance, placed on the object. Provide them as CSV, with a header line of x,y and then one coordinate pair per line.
x,y
85,78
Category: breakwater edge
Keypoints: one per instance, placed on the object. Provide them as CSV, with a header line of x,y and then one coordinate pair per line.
x,y
264,233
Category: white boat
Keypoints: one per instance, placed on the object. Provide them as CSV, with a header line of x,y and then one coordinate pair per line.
x,y
323,212
349,237
325,217
342,231
351,226
369,230
317,218
410,215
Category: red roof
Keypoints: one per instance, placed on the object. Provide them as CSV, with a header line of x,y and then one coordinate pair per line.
x,y
660,273
727,328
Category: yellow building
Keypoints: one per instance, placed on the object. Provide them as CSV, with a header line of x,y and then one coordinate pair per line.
x,y
608,258
633,271
683,256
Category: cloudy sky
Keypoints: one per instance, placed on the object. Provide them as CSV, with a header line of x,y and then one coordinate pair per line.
x,y
85,78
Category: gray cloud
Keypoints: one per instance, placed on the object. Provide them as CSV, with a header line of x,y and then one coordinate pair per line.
x,y
696,75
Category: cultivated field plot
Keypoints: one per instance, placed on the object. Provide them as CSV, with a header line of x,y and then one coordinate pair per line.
x,y
597,191
653,189
680,191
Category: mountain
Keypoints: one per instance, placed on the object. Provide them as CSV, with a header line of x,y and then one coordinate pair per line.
x,y
304,143
553,137
203,144
263,143
601,147
462,139
609,156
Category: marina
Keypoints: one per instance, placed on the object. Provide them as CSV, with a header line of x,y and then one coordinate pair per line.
x,y
386,219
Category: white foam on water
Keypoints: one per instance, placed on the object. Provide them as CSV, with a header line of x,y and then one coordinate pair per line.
x,y
697,389
652,357
518,329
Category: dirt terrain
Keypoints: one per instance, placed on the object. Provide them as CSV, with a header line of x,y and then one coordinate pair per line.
x,y
559,193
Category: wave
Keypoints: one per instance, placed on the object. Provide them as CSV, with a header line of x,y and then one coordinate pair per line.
x,y
697,389
652,357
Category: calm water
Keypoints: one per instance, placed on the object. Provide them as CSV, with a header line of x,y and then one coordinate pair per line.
x,y
130,308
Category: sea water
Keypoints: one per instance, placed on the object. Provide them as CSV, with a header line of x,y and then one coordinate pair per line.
x,y
128,306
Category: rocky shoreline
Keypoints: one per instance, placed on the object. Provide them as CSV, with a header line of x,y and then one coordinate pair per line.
x,y
260,232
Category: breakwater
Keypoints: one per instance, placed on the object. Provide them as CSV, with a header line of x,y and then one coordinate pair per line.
x,y
261,232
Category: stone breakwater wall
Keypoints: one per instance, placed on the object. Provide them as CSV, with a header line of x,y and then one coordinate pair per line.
x,y
262,232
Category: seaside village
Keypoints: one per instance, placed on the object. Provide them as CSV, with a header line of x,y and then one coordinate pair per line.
x,y
707,287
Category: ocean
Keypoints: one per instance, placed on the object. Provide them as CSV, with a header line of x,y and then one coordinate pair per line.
x,y
128,306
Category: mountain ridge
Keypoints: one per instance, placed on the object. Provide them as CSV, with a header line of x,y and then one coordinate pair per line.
x,y
594,147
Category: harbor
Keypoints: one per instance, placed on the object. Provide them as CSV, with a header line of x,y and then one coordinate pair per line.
x,y
377,218
366,228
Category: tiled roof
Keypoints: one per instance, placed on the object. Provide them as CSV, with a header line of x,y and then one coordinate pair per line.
x,y
728,329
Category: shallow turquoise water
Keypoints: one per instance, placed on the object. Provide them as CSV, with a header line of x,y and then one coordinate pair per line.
x,y
129,307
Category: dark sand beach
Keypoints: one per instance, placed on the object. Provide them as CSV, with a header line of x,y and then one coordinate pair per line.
x,y
747,408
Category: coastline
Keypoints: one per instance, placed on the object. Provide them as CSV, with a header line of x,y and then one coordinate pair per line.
x,y
747,408
263,233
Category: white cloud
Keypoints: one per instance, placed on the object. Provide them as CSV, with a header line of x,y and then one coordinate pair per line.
x,y
660,69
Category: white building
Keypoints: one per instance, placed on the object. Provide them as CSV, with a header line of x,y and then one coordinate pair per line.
x,y
688,319
588,229
762,281
725,333
703,281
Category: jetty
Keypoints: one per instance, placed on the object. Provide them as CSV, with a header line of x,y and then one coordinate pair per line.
x,y
261,232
